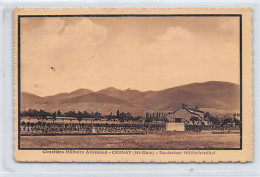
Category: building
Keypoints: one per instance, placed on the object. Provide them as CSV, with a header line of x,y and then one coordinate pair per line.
x,y
183,116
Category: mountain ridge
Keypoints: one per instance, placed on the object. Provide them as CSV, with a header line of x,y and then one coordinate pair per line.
x,y
212,94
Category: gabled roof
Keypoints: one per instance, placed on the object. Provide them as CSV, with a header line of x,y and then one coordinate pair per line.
x,y
196,110
189,110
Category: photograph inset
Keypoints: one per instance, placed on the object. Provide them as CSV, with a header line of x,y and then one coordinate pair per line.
x,y
130,82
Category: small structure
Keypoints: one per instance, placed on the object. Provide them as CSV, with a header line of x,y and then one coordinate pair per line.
x,y
183,116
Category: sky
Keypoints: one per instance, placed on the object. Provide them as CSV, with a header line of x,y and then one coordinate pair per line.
x,y
63,54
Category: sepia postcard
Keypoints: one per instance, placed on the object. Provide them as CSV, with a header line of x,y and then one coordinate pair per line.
x,y
133,85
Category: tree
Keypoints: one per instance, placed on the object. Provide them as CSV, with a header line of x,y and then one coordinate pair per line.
x,y
227,120
74,114
79,116
207,115
97,115
237,121
193,119
54,116
85,114
147,117
117,113
58,113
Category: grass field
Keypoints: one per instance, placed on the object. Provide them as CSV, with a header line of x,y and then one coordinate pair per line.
x,y
162,140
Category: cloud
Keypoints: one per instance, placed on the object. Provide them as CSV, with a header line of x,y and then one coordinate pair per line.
x,y
227,26
53,25
175,33
62,32
96,53
63,43
89,31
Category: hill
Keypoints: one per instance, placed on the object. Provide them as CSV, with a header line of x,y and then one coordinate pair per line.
x,y
209,95
218,95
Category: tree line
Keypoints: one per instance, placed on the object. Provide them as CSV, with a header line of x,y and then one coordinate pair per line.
x,y
155,117
121,116
225,119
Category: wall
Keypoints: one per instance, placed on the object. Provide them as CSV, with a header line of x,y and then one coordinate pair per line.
x,y
171,126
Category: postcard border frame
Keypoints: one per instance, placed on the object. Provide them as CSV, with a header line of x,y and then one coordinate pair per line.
x,y
129,15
